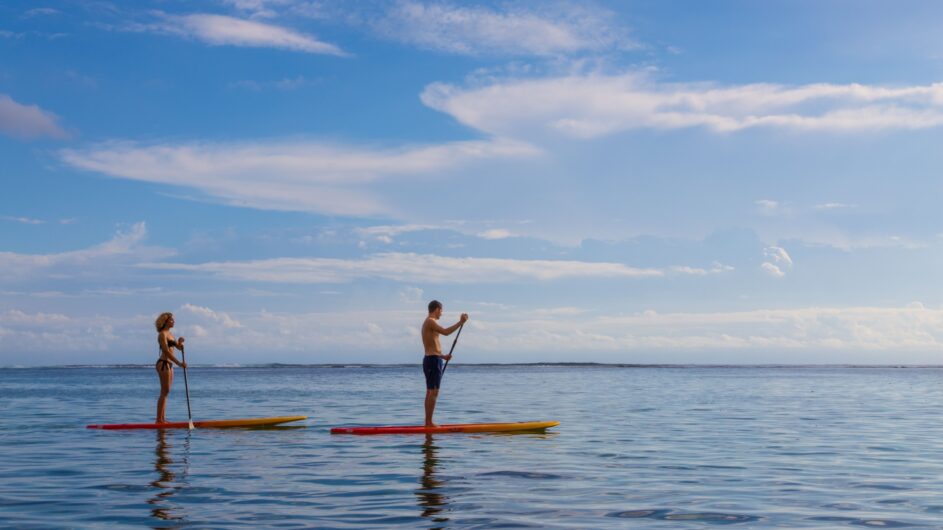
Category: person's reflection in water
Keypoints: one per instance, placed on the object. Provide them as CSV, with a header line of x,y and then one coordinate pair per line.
x,y
164,484
433,503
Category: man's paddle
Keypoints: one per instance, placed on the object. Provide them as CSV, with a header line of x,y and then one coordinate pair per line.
x,y
457,335
186,386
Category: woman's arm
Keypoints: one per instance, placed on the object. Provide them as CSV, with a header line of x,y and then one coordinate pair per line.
x,y
168,351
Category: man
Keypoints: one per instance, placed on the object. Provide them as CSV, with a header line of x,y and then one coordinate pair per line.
x,y
432,363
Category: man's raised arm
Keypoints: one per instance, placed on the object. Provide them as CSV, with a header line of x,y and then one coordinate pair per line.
x,y
451,329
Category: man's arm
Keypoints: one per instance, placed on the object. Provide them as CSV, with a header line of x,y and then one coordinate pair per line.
x,y
451,329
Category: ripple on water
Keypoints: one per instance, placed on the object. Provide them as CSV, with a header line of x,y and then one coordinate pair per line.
x,y
670,515
870,522
522,474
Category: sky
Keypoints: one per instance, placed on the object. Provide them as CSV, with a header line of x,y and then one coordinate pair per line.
x,y
652,181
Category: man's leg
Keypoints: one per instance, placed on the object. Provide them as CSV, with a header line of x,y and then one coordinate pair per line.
x,y
431,395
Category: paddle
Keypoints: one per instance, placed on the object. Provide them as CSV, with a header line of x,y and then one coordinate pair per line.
x,y
186,386
454,342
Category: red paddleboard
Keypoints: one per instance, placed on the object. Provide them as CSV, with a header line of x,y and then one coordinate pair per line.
x,y
207,424
461,427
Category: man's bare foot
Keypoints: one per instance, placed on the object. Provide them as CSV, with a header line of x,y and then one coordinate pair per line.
x,y
431,425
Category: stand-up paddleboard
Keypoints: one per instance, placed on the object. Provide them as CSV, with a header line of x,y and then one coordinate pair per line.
x,y
462,427
208,424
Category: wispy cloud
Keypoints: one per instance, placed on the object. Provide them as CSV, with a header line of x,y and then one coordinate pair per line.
x,y
410,268
23,220
767,206
284,84
41,11
554,29
305,176
496,233
125,247
777,260
594,105
834,206
820,334
221,30
28,121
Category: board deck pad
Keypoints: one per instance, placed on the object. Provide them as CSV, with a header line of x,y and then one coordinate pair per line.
x,y
523,426
205,424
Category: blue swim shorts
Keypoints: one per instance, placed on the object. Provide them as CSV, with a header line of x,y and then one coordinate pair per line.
x,y
432,367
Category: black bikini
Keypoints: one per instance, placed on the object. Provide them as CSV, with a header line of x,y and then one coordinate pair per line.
x,y
163,364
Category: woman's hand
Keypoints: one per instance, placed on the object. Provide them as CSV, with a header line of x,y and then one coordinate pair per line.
x,y
180,342
183,365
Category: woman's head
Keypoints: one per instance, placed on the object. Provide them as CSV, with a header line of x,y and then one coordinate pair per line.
x,y
164,321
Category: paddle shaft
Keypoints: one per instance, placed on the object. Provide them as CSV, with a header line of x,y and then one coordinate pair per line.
x,y
454,342
186,385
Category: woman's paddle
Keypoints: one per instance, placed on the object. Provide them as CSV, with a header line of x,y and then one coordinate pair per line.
x,y
186,386
457,335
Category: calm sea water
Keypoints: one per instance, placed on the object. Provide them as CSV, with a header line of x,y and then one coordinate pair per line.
x,y
637,448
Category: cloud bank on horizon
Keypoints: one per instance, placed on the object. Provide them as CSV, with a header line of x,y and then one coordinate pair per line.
x,y
594,182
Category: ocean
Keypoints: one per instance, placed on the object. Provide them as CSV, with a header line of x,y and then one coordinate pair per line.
x,y
637,447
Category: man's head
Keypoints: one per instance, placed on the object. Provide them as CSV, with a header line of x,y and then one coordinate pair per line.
x,y
435,309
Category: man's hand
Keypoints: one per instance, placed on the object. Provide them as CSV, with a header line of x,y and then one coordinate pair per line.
x,y
463,318
447,357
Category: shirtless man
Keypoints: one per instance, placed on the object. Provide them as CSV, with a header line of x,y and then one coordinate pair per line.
x,y
432,363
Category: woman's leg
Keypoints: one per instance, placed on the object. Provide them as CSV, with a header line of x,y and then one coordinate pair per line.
x,y
166,381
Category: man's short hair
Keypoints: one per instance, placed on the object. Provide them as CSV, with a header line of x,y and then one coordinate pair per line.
x,y
435,304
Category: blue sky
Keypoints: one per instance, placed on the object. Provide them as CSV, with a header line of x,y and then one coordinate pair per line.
x,y
638,182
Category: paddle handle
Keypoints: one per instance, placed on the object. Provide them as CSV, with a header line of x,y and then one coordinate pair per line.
x,y
454,342
186,385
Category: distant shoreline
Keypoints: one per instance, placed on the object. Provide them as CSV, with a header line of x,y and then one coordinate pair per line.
x,y
478,365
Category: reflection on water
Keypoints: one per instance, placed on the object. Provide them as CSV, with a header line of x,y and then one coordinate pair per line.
x,y
165,484
432,503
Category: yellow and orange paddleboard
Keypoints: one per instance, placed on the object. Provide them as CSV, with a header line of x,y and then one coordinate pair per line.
x,y
206,424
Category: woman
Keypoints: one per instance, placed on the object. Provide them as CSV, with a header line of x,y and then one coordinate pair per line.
x,y
165,364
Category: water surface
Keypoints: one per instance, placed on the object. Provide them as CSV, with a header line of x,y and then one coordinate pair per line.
x,y
682,447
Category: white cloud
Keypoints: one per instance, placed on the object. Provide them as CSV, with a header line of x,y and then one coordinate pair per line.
x,y
207,315
767,206
41,11
386,233
834,206
865,334
496,233
778,255
220,30
594,105
298,175
408,267
778,259
772,270
28,121
476,30
284,84
23,220
258,8
716,268
124,247
411,295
